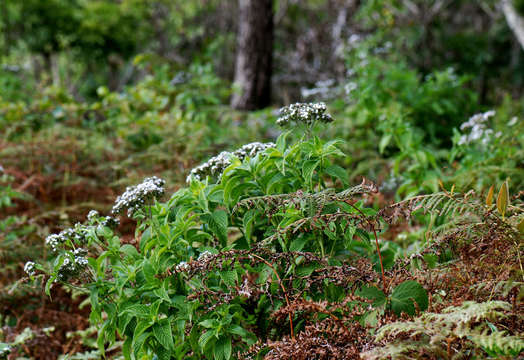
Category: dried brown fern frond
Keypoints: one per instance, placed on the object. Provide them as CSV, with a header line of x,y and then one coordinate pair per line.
x,y
322,340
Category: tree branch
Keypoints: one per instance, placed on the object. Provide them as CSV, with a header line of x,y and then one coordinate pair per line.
x,y
514,20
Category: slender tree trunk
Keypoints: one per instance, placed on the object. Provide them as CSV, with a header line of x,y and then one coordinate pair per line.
x,y
254,55
514,20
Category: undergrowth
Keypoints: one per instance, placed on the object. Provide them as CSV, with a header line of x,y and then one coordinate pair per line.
x,y
271,254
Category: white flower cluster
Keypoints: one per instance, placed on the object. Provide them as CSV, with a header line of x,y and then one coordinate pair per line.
x,y
72,268
217,164
29,268
306,113
479,129
4,351
183,266
135,197
77,235
93,217
205,255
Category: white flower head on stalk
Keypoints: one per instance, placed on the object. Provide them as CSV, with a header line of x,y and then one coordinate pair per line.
x,y
29,268
303,113
77,235
217,164
72,266
135,197
478,129
92,215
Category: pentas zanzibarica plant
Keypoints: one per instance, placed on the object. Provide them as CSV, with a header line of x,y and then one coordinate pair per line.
x,y
240,260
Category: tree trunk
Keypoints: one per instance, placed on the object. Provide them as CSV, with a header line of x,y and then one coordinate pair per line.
x,y
514,20
254,55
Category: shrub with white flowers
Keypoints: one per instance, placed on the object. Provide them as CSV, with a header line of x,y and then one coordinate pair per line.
x,y
135,197
304,113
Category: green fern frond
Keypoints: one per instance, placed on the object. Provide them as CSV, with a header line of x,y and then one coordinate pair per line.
x,y
498,343
467,321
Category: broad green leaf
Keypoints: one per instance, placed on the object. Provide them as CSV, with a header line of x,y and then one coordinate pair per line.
x,y
138,343
149,272
163,334
406,294
503,199
308,168
126,348
298,244
205,338
209,323
247,223
223,348
339,173
372,293
138,310
129,250
229,277
384,142
217,222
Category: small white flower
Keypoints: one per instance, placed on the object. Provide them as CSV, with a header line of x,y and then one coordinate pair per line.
x,y
93,214
204,256
29,268
513,121
183,266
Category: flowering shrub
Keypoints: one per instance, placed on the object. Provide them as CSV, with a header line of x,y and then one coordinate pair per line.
x,y
274,249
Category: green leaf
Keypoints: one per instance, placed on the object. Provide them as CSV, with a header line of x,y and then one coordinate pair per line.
x,y
247,223
281,141
308,168
138,343
406,294
223,348
229,277
384,142
372,293
217,222
138,310
298,244
126,348
163,334
149,272
338,172
209,323
503,199
205,338
129,250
